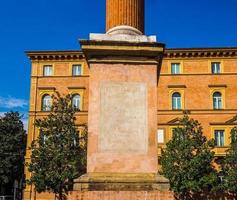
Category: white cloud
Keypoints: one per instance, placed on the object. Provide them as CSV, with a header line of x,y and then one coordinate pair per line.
x,y
12,102
25,122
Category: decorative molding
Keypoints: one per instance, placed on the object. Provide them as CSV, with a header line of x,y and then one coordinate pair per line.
x,y
177,86
76,87
168,124
175,53
218,86
200,52
222,124
54,55
46,88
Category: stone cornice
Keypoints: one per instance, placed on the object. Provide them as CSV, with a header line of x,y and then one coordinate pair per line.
x,y
169,53
179,53
54,55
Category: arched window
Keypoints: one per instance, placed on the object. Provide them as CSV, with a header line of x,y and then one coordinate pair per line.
x,y
217,100
46,103
76,101
176,101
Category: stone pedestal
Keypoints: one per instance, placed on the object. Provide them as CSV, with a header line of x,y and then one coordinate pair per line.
x,y
122,124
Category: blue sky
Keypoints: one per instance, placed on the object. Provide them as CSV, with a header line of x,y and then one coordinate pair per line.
x,y
58,24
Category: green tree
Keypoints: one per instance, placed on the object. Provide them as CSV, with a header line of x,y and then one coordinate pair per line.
x,y
187,160
58,154
230,164
12,150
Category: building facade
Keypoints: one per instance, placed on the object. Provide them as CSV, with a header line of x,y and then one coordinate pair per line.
x,y
200,81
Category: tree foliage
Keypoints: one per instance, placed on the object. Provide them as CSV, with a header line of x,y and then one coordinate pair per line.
x,y
12,148
59,153
187,160
229,166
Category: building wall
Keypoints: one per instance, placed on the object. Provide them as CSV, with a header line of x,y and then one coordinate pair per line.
x,y
196,83
63,82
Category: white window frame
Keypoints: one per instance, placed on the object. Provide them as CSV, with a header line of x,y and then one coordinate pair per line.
x,y
47,70
175,101
177,68
78,66
217,101
46,103
216,67
160,136
218,141
76,103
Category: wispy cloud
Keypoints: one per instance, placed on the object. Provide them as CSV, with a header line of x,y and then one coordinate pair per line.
x,y
25,122
11,102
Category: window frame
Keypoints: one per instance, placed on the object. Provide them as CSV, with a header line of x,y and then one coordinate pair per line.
x,y
220,90
180,62
176,105
70,69
177,66
213,71
217,101
73,96
43,70
218,143
182,93
76,65
80,91
43,108
210,62
164,138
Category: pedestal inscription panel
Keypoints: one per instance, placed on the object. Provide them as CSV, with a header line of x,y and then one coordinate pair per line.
x,y
123,117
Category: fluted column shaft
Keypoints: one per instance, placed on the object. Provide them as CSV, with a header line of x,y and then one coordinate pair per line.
x,y
125,12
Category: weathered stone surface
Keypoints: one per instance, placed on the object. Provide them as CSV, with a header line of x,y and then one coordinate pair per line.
x,y
131,155
123,117
122,36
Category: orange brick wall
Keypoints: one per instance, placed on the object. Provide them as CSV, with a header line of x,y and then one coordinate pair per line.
x,y
197,84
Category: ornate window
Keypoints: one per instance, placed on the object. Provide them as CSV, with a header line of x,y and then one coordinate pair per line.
x,y
217,100
76,101
46,103
176,101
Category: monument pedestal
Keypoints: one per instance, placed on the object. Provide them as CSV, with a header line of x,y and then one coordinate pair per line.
x,y
122,122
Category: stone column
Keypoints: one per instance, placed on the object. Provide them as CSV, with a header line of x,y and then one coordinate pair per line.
x,y
125,13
